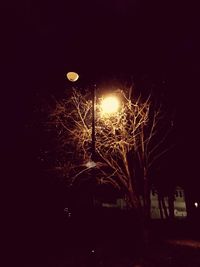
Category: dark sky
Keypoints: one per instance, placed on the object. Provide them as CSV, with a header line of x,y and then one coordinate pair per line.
x,y
153,42
101,39
47,38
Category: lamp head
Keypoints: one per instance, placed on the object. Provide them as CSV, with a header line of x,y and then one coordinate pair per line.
x,y
72,76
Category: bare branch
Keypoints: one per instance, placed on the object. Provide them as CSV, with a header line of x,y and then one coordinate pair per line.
x,y
131,130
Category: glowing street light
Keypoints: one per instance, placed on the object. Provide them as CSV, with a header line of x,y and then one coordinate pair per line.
x,y
110,105
90,164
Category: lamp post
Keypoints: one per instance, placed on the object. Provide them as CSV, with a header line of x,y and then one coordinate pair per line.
x,y
109,105
73,77
93,122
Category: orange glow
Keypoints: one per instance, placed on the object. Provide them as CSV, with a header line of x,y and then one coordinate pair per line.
x,y
110,105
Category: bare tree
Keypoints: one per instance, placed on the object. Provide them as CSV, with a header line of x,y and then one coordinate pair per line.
x,y
123,138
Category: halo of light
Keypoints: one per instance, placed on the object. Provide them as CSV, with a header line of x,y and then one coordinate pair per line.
x,y
72,76
90,164
110,105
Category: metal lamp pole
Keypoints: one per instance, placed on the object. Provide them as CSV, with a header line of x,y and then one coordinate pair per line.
x,y
73,77
93,122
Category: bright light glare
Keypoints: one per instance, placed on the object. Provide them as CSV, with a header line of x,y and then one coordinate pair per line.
x,y
90,164
196,204
110,105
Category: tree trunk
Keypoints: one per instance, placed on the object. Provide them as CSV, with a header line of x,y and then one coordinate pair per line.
x,y
132,199
188,202
160,207
164,207
134,202
171,206
147,200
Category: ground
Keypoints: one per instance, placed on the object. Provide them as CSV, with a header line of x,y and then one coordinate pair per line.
x,y
179,253
170,244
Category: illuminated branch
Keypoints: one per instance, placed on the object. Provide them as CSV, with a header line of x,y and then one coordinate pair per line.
x,y
131,130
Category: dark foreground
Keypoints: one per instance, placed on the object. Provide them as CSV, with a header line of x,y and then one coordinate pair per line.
x,y
157,255
109,239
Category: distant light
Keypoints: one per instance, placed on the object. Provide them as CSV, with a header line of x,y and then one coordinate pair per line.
x,y
72,76
196,204
92,251
110,105
90,164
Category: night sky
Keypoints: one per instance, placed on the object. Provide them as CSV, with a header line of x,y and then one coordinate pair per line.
x,y
154,43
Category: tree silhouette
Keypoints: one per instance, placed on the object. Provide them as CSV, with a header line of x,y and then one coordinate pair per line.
x,y
128,142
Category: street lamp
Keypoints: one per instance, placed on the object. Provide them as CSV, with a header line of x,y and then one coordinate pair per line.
x,y
109,106
73,76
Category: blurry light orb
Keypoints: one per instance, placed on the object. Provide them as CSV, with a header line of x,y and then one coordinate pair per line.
x,y
90,164
110,104
72,76
196,204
